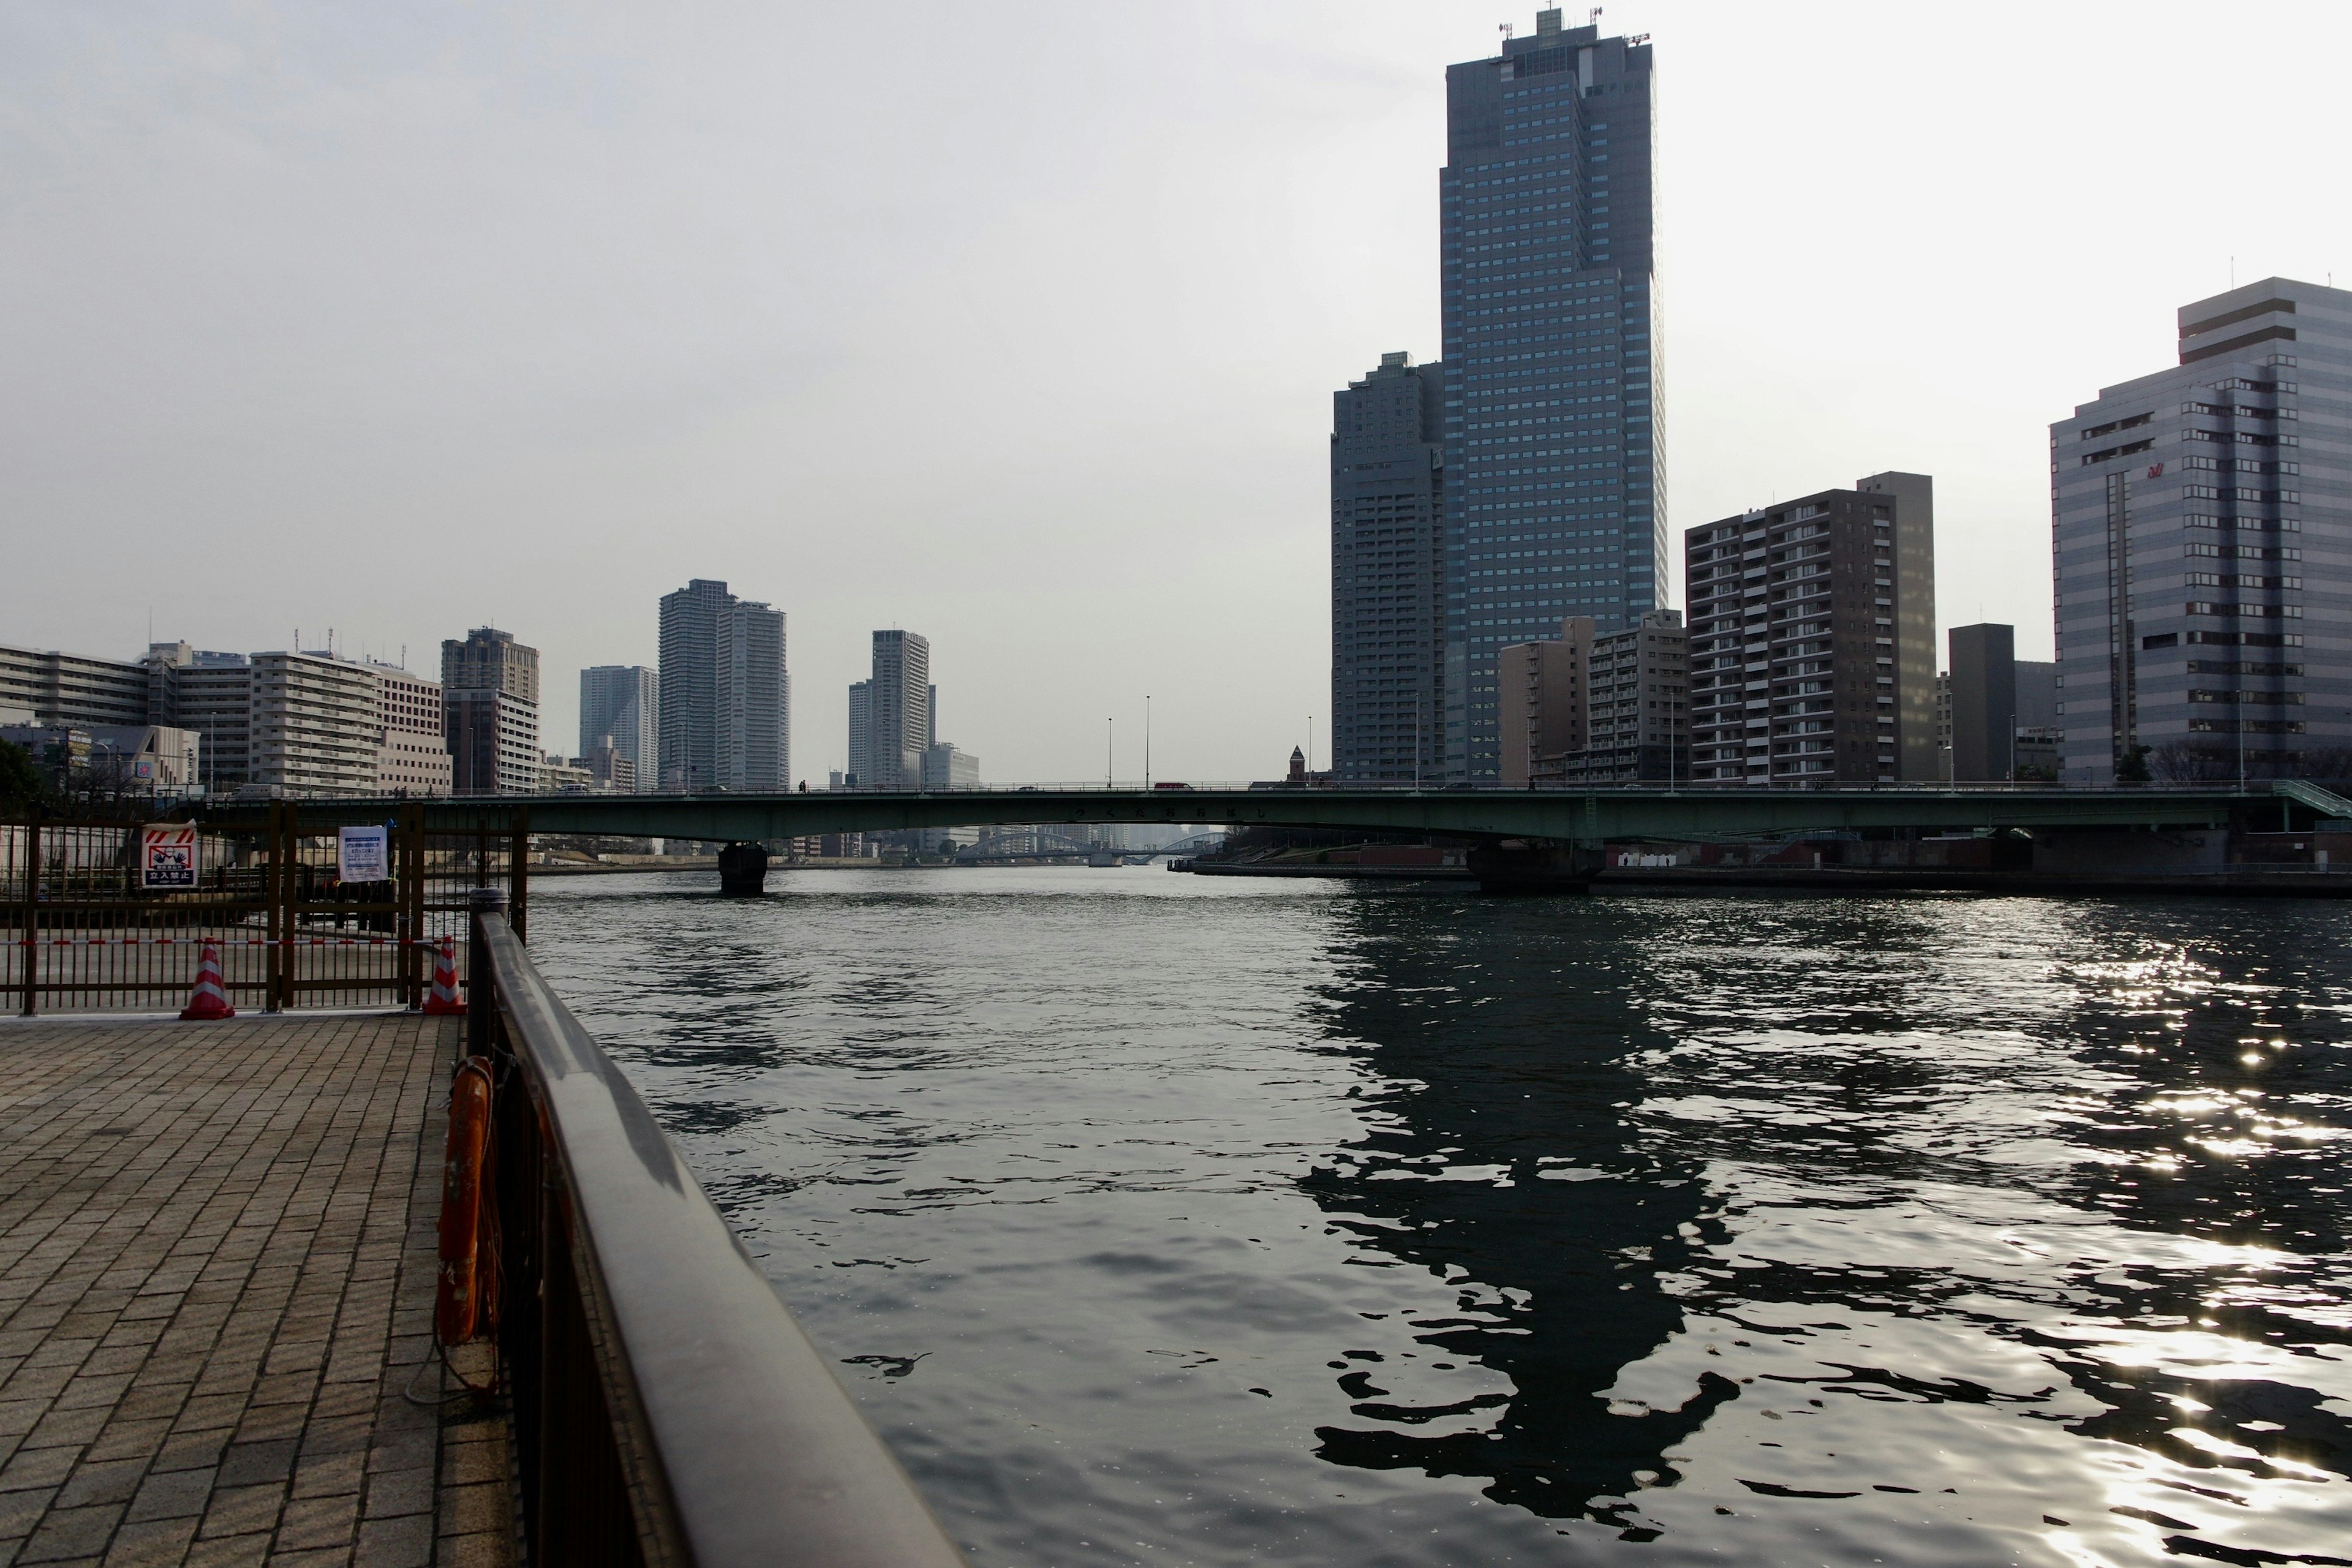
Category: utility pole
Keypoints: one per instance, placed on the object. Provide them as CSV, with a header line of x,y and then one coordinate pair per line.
x,y
1110,732
1146,740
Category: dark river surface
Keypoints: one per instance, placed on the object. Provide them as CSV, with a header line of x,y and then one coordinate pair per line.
x,y
1162,1219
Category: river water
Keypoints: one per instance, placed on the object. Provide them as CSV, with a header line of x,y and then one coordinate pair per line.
x,y
1171,1220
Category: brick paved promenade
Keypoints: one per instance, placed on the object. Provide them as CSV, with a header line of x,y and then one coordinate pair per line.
x,y
216,1269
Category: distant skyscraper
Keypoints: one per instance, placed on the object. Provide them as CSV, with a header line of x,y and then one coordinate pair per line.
x,y
861,733
1554,482
1387,610
622,702
901,695
2202,519
725,719
490,692
1983,696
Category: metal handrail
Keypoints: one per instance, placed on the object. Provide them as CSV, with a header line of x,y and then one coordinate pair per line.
x,y
726,1440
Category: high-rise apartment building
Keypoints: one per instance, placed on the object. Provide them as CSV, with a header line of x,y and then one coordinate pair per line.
x,y
2201,524
1387,607
1542,691
1598,708
1811,646
898,702
211,694
489,692
1554,499
315,725
1637,706
725,719
620,705
861,733
412,753
756,697
68,688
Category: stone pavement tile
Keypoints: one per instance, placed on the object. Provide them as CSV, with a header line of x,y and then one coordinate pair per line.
x,y
318,1521
191,1450
394,1544
108,1358
112,1481
85,1391
330,1475
38,1468
68,1532
122,1439
19,1511
171,1494
391,1493
151,1544
239,1510
67,1427
205,1411
234,1552
246,1463
261,1423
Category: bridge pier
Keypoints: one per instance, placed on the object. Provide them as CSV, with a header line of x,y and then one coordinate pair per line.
x,y
743,870
1535,866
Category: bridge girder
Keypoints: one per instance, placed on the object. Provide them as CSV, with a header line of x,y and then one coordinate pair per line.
x,y
1579,815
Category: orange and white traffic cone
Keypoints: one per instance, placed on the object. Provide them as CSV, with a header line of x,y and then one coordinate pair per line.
x,y
443,1001
211,998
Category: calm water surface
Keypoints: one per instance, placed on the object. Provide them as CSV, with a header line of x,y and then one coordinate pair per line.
x,y
1160,1219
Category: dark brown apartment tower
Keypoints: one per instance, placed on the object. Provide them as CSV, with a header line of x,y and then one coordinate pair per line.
x,y
1812,655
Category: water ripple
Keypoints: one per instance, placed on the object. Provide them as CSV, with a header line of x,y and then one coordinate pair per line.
x,y
1157,1219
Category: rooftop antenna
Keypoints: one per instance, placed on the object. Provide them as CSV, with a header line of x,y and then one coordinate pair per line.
x,y
1592,17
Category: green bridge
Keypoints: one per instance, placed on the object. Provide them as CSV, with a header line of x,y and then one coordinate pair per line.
x,y
1561,816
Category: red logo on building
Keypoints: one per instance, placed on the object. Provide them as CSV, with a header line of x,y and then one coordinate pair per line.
x,y
2155,471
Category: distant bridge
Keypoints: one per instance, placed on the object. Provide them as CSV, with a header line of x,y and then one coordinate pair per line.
x,y
1584,817
1034,843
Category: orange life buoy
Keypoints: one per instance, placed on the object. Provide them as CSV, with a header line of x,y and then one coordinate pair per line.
x,y
461,1309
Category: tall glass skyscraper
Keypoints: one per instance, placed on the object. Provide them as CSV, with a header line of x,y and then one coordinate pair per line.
x,y
1554,501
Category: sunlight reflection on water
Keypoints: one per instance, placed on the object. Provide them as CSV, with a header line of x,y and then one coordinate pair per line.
x,y
1161,1219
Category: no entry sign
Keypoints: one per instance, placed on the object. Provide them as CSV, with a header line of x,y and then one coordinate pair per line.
x,y
167,855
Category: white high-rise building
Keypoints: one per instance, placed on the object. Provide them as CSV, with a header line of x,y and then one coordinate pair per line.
x,y
2201,521
899,693
725,703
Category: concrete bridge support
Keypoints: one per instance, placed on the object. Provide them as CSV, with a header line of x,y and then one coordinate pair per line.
x,y
1535,866
743,870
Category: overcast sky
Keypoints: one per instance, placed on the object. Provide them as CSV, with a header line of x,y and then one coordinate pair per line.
x,y
1016,325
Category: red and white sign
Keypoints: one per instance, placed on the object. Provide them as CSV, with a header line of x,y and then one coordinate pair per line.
x,y
168,857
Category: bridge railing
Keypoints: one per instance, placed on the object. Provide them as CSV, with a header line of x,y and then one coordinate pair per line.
x,y
666,1409
1174,792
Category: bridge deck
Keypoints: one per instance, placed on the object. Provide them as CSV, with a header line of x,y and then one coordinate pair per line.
x,y
217,1276
1613,813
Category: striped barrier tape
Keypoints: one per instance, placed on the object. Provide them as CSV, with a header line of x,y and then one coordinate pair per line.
x,y
224,942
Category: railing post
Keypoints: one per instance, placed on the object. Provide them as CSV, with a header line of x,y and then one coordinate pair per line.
x,y
519,877
32,949
481,993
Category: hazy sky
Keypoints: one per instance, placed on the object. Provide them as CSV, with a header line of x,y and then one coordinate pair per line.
x,y
1018,324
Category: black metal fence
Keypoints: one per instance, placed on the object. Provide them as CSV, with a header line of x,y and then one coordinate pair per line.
x,y
666,1409
83,923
